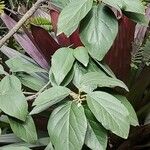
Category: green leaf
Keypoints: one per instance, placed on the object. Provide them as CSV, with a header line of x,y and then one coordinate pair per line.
x,y
72,14
65,82
2,71
110,112
39,108
31,81
113,4
18,64
53,95
98,31
9,138
61,4
139,18
79,72
81,54
132,114
14,148
106,69
49,147
24,130
12,100
135,6
67,127
49,97
98,79
96,135
62,62
68,78
42,22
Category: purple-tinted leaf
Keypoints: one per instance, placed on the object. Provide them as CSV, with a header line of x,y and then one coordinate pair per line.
x,y
140,30
44,41
11,53
26,43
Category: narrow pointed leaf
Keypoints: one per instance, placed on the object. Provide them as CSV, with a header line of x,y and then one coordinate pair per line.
x,y
26,43
14,148
67,127
110,112
18,64
98,31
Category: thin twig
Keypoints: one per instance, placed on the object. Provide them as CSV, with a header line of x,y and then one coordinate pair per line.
x,y
28,93
29,13
29,98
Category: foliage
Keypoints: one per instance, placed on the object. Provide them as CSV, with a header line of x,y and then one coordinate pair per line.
x,y
1,6
65,77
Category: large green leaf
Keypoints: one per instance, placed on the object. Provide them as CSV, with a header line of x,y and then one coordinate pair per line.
x,y
139,18
53,95
39,108
14,148
65,82
72,14
132,114
49,97
18,64
12,100
31,81
135,6
96,135
101,80
60,3
49,147
81,54
110,112
9,138
67,127
62,62
24,130
98,31
79,72
106,69
134,10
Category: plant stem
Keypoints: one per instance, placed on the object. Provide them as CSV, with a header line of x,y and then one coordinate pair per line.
x,y
29,98
29,13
